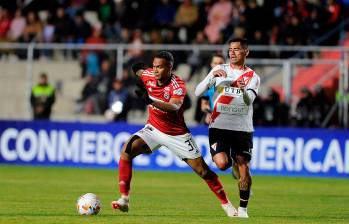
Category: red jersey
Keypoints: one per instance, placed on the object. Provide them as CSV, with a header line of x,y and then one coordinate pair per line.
x,y
171,123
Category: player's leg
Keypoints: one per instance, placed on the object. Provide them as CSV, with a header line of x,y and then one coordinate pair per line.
x,y
222,161
219,148
235,171
242,145
245,183
213,182
132,148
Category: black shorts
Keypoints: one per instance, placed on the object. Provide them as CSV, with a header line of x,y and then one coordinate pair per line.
x,y
231,142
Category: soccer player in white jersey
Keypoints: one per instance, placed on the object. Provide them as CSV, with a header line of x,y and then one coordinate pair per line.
x,y
231,128
164,93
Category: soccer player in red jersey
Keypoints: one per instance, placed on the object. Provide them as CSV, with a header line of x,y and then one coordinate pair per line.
x,y
164,92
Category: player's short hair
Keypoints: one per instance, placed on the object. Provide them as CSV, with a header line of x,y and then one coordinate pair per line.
x,y
242,41
166,55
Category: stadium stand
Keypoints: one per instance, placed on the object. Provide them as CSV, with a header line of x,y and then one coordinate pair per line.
x,y
171,22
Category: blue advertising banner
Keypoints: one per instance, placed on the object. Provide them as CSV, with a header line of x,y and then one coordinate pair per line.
x,y
277,151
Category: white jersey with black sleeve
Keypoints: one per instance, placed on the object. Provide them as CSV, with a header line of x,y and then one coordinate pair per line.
x,y
233,109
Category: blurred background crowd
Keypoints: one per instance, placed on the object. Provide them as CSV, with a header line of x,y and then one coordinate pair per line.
x,y
137,22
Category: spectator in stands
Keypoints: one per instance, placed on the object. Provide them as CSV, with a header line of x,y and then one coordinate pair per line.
x,y
203,10
118,102
334,10
135,54
258,111
254,11
48,36
90,59
81,28
76,6
106,11
42,98
304,109
104,83
63,26
5,23
164,14
87,102
130,14
111,30
33,29
259,38
195,57
276,113
170,37
218,18
186,17
321,106
17,26
315,25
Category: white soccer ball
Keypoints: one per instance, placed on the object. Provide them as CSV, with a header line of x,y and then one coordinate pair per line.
x,y
88,204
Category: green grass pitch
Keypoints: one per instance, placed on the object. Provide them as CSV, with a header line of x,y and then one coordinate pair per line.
x,y
48,195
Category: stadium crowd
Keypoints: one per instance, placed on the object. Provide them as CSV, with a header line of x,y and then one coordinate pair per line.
x,y
272,22
169,21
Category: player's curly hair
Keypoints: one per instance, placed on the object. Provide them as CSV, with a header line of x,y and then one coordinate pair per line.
x,y
166,55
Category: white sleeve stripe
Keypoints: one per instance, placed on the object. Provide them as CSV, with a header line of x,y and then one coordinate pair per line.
x,y
150,75
174,83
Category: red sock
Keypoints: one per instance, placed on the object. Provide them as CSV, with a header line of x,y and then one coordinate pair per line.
x,y
216,187
125,175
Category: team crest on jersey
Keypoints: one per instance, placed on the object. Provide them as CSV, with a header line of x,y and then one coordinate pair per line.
x,y
178,92
166,95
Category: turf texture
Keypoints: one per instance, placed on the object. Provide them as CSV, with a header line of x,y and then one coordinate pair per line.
x,y
49,194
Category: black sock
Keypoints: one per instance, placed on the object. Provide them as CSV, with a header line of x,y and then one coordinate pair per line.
x,y
244,196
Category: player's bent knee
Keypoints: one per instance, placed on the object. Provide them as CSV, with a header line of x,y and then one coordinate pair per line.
x,y
128,148
222,165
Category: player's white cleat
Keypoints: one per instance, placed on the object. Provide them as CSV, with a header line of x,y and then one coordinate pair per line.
x,y
242,213
229,209
121,204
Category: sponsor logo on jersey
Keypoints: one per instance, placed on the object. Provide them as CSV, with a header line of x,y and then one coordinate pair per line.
x,y
178,92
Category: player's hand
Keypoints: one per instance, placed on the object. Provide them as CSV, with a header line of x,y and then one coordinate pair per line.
x,y
137,67
220,73
142,92
208,119
241,84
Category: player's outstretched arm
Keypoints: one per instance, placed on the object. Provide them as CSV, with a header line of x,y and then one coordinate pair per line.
x,y
209,80
172,106
205,84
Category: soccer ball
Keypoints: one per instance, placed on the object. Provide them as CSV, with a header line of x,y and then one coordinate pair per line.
x,y
88,204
